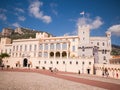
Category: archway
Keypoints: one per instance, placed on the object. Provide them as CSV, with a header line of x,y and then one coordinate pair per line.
x,y
51,54
57,54
25,62
64,54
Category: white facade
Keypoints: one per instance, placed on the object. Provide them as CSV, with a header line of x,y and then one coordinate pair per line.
x,y
66,53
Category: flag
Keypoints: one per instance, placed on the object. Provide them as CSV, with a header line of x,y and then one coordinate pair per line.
x,y
82,13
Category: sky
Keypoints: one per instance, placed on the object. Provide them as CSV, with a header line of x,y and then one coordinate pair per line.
x,y
62,17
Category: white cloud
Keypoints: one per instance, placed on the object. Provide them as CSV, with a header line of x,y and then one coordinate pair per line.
x,y
115,29
34,9
53,6
93,23
16,24
19,10
71,33
21,18
3,17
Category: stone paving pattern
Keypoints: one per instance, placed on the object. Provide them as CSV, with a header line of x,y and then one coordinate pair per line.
x,y
25,79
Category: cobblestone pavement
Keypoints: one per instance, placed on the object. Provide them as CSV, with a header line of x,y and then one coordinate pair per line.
x,y
36,79
96,78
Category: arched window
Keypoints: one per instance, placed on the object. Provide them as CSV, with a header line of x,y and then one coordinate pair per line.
x,y
57,54
64,54
51,54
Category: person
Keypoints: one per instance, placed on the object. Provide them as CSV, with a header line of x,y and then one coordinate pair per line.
x,y
107,74
79,72
117,75
103,73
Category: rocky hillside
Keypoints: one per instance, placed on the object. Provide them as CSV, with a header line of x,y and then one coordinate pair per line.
x,y
19,33
115,50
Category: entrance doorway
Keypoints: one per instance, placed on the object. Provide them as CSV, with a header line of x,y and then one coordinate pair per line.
x,y
25,62
88,71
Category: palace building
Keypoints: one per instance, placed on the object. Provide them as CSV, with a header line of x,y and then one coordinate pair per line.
x,y
66,53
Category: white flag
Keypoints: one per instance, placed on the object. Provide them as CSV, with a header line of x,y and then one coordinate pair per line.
x,y
82,13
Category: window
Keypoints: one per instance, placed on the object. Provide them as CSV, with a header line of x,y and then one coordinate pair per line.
x,y
52,46
57,62
103,44
58,46
25,47
70,62
46,46
45,54
51,62
98,43
76,62
89,63
39,62
91,42
83,63
83,48
57,54
35,47
16,48
41,47
64,54
40,54
64,46
73,48
44,62
103,51
63,62
20,47
10,51
51,54
30,47
104,58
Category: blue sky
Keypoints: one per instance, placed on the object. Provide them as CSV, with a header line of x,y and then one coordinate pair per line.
x,y
60,17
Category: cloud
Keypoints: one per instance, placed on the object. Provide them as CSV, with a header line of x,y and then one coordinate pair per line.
x,y
16,24
71,33
3,17
115,29
19,10
93,23
21,18
53,6
2,14
34,9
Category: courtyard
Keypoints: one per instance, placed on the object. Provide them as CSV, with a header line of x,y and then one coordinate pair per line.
x,y
25,79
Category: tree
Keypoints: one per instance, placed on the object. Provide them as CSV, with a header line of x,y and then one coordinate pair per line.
x,y
3,55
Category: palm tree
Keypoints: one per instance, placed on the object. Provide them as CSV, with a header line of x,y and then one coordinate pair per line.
x,y
3,55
